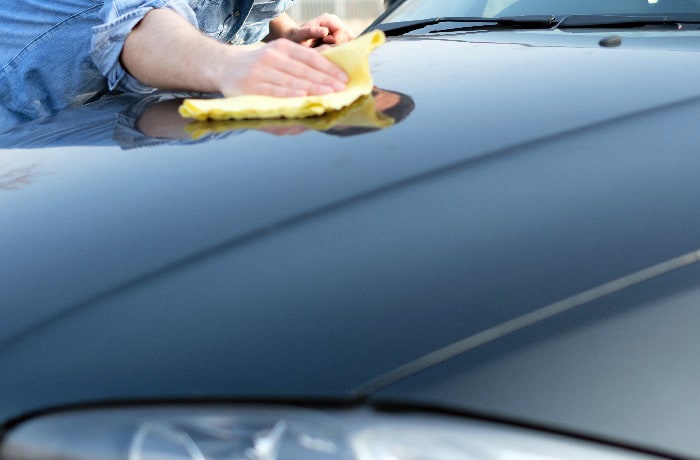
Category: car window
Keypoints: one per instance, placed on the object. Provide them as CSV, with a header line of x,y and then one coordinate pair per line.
x,y
421,9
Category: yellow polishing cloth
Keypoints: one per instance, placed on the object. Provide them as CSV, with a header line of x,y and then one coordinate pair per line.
x,y
360,114
352,57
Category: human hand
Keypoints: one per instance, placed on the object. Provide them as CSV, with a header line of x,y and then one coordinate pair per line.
x,y
326,29
294,130
280,68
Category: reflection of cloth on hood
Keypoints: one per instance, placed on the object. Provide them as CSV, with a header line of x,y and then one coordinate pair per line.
x,y
352,57
361,114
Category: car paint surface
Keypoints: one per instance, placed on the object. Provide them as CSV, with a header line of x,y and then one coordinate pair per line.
x,y
535,166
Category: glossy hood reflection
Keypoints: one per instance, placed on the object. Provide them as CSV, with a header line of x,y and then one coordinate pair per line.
x,y
133,121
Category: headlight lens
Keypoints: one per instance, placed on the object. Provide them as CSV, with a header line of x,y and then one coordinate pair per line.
x,y
264,433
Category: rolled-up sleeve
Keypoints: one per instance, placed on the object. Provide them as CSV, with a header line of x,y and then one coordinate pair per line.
x,y
119,17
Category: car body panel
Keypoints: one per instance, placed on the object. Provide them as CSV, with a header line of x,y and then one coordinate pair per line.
x,y
302,268
138,198
620,368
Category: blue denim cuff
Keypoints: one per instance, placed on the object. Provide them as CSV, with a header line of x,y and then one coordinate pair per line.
x,y
119,18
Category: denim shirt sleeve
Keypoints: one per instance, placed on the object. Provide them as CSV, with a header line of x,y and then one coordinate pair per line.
x,y
119,18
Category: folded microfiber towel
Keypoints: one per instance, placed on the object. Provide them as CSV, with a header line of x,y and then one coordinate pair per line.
x,y
352,57
360,114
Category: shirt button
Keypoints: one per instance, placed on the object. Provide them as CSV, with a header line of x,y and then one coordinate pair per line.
x,y
236,13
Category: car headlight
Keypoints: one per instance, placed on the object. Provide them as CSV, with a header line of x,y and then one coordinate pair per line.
x,y
268,433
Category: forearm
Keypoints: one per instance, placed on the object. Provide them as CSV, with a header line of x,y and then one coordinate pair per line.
x,y
167,52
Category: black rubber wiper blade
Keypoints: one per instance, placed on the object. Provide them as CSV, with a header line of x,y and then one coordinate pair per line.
x,y
537,21
403,27
627,21
468,23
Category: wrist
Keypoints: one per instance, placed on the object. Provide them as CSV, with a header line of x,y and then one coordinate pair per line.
x,y
217,75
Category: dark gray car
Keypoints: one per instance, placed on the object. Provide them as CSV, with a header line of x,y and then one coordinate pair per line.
x,y
500,260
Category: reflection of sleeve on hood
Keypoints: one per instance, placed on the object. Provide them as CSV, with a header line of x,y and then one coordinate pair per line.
x,y
353,57
91,124
109,120
119,17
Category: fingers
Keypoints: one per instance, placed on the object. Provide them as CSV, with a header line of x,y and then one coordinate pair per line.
x,y
282,69
327,28
274,90
310,36
338,31
340,36
299,85
284,130
313,61
310,32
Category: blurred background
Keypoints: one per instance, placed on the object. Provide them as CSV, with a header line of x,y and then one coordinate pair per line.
x,y
357,14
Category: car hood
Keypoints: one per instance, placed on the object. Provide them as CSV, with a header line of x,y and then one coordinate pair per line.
x,y
303,267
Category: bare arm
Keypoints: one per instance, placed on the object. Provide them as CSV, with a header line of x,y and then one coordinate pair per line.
x,y
165,51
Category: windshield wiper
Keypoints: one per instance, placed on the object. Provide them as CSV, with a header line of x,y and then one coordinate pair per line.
x,y
468,23
628,21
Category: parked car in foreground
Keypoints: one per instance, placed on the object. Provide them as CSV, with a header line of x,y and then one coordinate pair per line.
x,y
496,258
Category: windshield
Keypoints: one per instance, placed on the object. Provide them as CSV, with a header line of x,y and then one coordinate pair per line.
x,y
410,10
